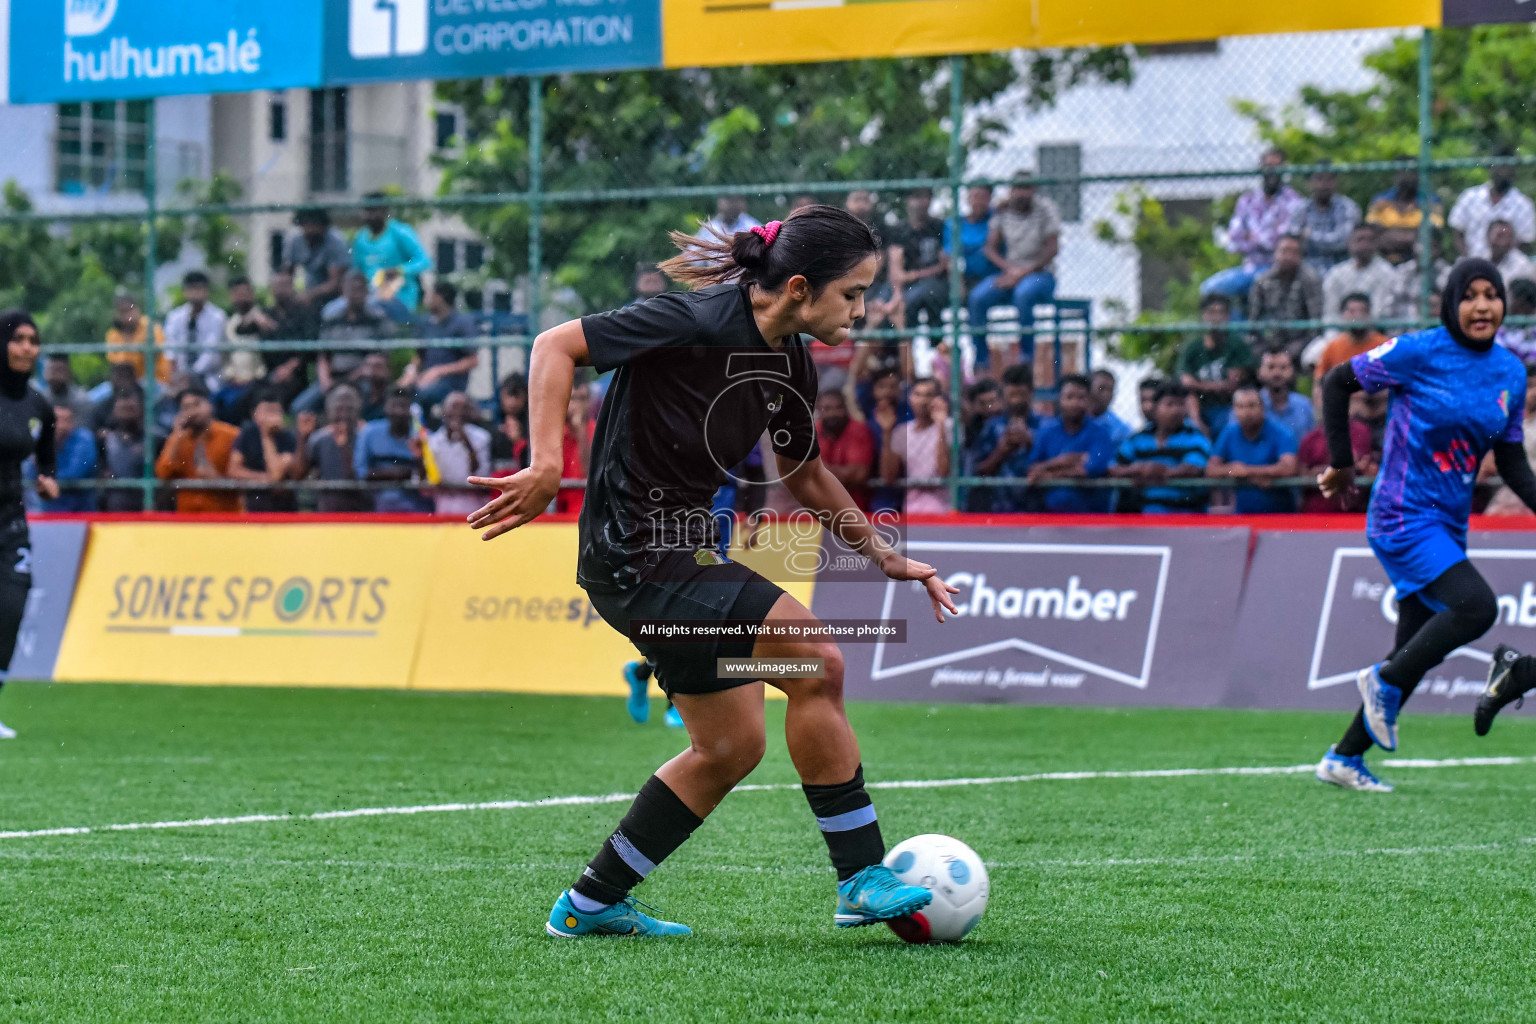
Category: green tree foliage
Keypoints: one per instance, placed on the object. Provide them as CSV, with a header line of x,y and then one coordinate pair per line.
x,y
706,127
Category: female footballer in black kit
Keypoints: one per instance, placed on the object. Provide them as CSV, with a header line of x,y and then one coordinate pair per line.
x,y
700,376
26,429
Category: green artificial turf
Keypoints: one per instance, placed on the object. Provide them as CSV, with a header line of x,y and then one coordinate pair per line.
x,y
1193,898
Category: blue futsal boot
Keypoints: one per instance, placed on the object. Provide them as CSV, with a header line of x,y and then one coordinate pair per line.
x,y
566,922
639,703
1382,701
1349,773
675,717
874,895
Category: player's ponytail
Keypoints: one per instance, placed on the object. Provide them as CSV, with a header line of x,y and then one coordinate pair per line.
x,y
820,243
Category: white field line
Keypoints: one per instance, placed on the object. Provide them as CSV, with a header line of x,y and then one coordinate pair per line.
x,y
613,798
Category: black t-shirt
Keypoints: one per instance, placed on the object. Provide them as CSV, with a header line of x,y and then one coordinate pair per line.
x,y
695,387
248,444
920,247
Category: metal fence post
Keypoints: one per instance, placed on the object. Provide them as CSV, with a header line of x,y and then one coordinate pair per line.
x,y
1426,194
151,349
956,270
535,202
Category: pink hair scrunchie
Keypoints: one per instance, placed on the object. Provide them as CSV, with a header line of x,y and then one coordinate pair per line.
x,y
768,232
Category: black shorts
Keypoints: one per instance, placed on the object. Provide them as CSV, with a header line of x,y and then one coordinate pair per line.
x,y
677,589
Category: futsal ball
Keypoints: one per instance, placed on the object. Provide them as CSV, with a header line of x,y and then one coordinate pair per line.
x,y
954,874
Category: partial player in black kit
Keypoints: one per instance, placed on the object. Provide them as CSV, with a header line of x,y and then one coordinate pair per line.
x,y
699,377
26,430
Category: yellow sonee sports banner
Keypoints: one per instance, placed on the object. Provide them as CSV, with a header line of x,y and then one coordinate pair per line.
x,y
719,32
333,605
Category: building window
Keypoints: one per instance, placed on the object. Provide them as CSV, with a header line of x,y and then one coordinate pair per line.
x,y
329,158
447,256
102,146
446,128
1191,47
474,256
277,112
275,251
1064,161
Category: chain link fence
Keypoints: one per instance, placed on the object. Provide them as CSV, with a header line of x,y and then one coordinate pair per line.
x,y
1165,175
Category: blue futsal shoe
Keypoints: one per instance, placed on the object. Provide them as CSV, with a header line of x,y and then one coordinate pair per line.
x,y
674,717
566,922
1382,701
1349,773
639,703
874,895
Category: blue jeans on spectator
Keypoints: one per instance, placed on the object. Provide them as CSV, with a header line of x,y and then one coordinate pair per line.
x,y
1234,283
1033,288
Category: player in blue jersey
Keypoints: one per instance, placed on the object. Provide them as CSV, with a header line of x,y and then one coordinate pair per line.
x,y
1455,396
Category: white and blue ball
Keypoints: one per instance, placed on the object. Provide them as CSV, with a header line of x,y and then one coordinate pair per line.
x,y
954,874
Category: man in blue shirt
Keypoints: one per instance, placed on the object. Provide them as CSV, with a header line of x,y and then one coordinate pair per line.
x,y
437,372
384,243
1071,447
1277,372
973,235
386,450
1167,448
1101,395
1256,448
77,461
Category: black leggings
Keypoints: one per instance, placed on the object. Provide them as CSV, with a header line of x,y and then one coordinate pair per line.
x,y
13,605
1425,637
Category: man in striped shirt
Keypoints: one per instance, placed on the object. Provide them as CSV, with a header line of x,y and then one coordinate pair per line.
x,y
1167,448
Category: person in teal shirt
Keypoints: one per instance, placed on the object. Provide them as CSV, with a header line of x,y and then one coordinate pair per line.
x,y
384,243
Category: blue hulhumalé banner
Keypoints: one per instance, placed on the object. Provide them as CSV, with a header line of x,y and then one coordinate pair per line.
x,y
122,49
400,40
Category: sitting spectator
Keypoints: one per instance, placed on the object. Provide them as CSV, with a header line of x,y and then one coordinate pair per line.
x,y
1364,271
1497,199
1167,448
265,450
60,388
461,449
1101,395
76,453
1071,446
731,217
919,266
194,331
1213,365
388,449
1262,215
983,401
1288,290
1326,222
120,380
1146,397
919,450
1398,214
649,282
1277,373
882,408
801,201
329,453
1009,458
384,244
1504,501
287,319
1408,290
576,446
1022,242
167,405
509,444
1512,263
1019,390
122,453
847,446
374,382
199,448
353,317
1313,457
881,302
1355,310
975,228
129,327
248,323
1257,449
317,256
437,372
1522,302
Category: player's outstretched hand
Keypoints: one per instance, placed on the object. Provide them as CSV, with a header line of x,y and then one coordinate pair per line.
x,y
899,567
524,495
1335,480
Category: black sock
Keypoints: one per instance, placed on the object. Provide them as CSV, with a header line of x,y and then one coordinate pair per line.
x,y
657,823
847,819
644,669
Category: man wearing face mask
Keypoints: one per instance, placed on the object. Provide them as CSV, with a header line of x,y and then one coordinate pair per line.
x,y
1495,199
1261,216
1456,396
